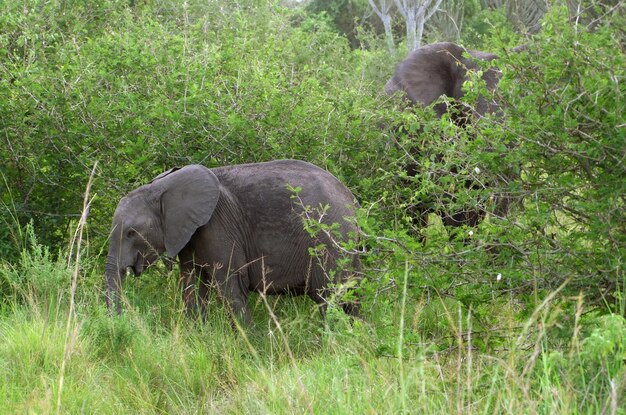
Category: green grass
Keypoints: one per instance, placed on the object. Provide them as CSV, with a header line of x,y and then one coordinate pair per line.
x,y
152,359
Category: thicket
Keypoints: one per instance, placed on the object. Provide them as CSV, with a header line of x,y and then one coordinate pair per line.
x,y
142,86
146,87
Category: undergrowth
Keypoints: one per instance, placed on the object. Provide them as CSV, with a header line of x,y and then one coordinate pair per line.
x,y
523,313
153,359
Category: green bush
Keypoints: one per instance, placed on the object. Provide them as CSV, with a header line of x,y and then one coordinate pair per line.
x,y
485,319
556,151
37,278
168,84
565,106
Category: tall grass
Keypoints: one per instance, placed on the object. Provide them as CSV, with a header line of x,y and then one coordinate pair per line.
x,y
153,360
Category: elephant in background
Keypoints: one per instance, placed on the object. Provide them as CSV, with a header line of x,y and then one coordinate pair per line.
x,y
239,228
436,70
439,69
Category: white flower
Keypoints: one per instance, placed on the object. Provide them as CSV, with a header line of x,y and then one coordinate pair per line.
x,y
476,170
498,277
470,233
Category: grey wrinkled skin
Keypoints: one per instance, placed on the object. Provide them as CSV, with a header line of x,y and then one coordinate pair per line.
x,y
237,228
439,69
436,70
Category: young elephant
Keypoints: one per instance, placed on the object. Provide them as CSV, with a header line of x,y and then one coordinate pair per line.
x,y
239,228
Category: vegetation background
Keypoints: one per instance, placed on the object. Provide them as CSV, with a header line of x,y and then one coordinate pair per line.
x,y
522,314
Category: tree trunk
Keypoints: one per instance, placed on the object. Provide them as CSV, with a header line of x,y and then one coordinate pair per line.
x,y
412,40
388,33
383,13
419,31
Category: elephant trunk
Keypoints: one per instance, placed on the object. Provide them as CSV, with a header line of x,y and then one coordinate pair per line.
x,y
113,277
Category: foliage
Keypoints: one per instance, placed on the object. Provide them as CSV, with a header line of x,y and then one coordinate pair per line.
x,y
146,362
345,15
521,313
554,154
568,139
143,90
37,277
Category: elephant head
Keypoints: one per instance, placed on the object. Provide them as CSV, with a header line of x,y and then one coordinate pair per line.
x,y
159,217
439,69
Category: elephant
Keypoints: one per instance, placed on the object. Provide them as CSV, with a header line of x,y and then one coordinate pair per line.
x,y
439,69
239,228
436,70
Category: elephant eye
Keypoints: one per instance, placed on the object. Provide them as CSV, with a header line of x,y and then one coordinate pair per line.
x,y
130,233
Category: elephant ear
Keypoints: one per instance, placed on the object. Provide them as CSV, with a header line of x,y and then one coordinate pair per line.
x,y
162,175
188,197
428,73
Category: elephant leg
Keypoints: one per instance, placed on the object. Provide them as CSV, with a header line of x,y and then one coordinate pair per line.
x,y
232,285
353,307
190,290
320,300
318,285
419,214
503,204
193,289
238,303
319,267
418,211
352,304
470,218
